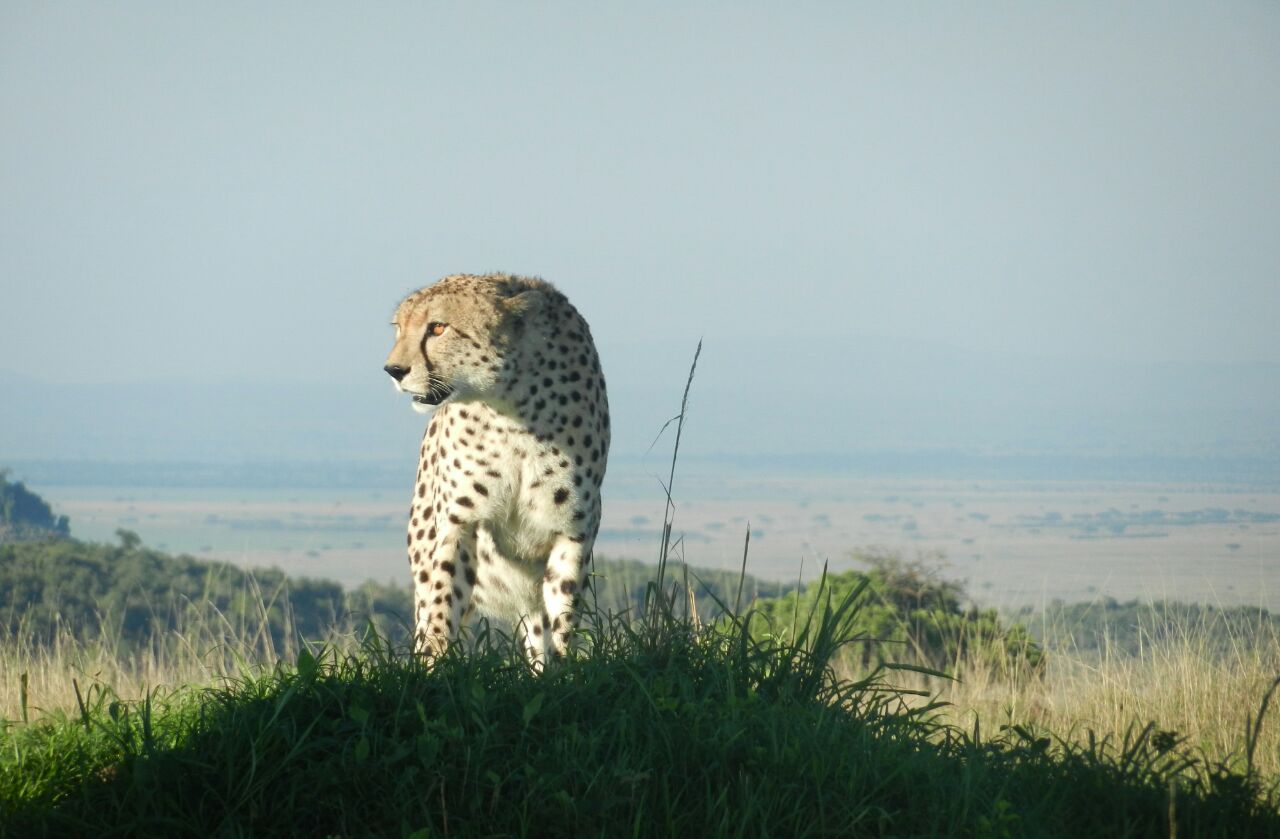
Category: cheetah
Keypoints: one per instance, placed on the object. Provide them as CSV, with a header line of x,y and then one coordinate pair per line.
x,y
506,505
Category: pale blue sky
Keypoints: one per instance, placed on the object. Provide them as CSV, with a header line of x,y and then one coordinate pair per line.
x,y
228,192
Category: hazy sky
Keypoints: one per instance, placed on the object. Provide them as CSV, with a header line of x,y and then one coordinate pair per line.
x,y
222,192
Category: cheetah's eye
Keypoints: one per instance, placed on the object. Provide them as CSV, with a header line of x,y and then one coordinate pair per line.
x,y
436,329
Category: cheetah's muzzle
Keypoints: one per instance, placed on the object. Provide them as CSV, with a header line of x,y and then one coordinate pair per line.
x,y
434,396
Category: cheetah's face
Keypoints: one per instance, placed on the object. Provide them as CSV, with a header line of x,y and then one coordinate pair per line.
x,y
449,344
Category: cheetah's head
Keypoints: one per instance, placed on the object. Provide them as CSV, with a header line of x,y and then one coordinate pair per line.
x,y
455,338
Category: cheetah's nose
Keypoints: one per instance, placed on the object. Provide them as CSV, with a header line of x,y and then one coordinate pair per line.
x,y
396,372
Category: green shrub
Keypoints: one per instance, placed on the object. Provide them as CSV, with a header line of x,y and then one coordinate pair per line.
x,y
911,613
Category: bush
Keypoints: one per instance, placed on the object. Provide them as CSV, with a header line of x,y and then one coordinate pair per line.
x,y
911,613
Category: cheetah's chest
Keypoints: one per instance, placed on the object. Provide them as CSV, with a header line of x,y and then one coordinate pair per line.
x,y
491,470
485,471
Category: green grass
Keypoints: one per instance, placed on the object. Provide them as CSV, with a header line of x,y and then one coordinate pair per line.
x,y
661,728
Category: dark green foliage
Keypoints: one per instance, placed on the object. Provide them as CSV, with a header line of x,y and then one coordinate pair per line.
x,y
1127,626
678,732
131,593
387,606
24,516
911,613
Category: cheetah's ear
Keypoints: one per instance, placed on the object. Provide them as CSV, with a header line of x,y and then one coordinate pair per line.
x,y
510,286
524,302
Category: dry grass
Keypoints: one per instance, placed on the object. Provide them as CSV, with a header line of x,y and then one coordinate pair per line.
x,y
672,732
1192,684
39,677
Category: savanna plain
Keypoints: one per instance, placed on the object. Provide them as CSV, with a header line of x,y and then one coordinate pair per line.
x,y
1027,657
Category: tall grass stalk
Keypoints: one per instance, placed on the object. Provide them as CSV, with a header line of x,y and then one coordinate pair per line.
x,y
657,602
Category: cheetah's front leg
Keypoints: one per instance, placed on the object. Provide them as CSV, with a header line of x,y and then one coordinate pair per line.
x,y
442,589
566,574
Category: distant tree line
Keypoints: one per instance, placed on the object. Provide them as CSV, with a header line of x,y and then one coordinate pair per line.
x,y
128,593
1125,627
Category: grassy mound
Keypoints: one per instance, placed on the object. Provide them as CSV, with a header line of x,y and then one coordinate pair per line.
x,y
662,728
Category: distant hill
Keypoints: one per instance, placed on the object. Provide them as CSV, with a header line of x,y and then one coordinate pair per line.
x,y
25,516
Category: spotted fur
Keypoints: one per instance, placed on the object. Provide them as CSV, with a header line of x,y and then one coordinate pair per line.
x,y
506,505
